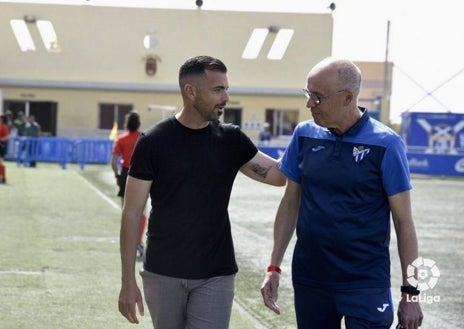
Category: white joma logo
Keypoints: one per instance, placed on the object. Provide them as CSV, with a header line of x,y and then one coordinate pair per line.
x,y
383,308
318,148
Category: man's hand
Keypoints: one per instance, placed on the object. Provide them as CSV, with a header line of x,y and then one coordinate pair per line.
x,y
409,313
129,297
269,291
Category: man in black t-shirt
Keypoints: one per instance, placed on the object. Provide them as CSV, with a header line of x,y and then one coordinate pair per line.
x,y
187,164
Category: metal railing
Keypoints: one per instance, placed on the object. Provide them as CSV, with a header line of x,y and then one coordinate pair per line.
x,y
26,150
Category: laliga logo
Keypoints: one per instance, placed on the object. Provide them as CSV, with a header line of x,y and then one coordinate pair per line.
x,y
427,274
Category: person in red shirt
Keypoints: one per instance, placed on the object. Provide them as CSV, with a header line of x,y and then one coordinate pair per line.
x,y
123,149
4,134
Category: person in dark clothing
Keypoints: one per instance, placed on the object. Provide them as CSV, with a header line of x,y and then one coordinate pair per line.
x,y
187,164
32,130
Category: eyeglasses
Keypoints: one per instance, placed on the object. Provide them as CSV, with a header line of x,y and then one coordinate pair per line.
x,y
317,98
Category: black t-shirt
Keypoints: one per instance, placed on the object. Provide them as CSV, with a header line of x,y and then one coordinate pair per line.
x,y
192,170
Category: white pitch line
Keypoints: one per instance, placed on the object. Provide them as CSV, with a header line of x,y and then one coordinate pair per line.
x,y
100,193
15,272
256,322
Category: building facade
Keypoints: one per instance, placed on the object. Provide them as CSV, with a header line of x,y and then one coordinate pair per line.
x,y
106,61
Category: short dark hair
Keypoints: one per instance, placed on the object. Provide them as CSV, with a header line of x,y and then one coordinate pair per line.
x,y
132,121
197,66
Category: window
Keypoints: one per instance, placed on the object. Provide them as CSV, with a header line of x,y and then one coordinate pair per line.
x,y
280,44
282,38
255,43
282,122
233,115
49,38
111,113
24,38
22,34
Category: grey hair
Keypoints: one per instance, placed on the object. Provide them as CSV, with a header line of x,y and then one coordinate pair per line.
x,y
349,76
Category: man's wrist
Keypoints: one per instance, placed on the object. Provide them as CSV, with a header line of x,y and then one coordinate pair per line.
x,y
274,268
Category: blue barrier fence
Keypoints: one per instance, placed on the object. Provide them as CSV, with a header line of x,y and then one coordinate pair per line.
x,y
25,150
92,151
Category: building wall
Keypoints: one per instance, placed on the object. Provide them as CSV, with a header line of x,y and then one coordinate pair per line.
x,y
78,109
105,44
103,60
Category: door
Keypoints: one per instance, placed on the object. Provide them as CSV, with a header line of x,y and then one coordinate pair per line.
x,y
45,113
233,115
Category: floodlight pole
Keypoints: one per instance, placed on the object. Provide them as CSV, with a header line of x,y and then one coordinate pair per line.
x,y
385,106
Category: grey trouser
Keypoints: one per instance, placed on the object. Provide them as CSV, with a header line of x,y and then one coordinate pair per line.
x,y
188,304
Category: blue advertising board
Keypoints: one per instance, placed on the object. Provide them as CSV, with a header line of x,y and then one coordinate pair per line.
x,y
435,142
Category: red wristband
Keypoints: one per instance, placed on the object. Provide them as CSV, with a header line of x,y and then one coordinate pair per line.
x,y
274,268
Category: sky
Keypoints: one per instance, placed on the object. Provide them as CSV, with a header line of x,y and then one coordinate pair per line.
x,y
425,41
